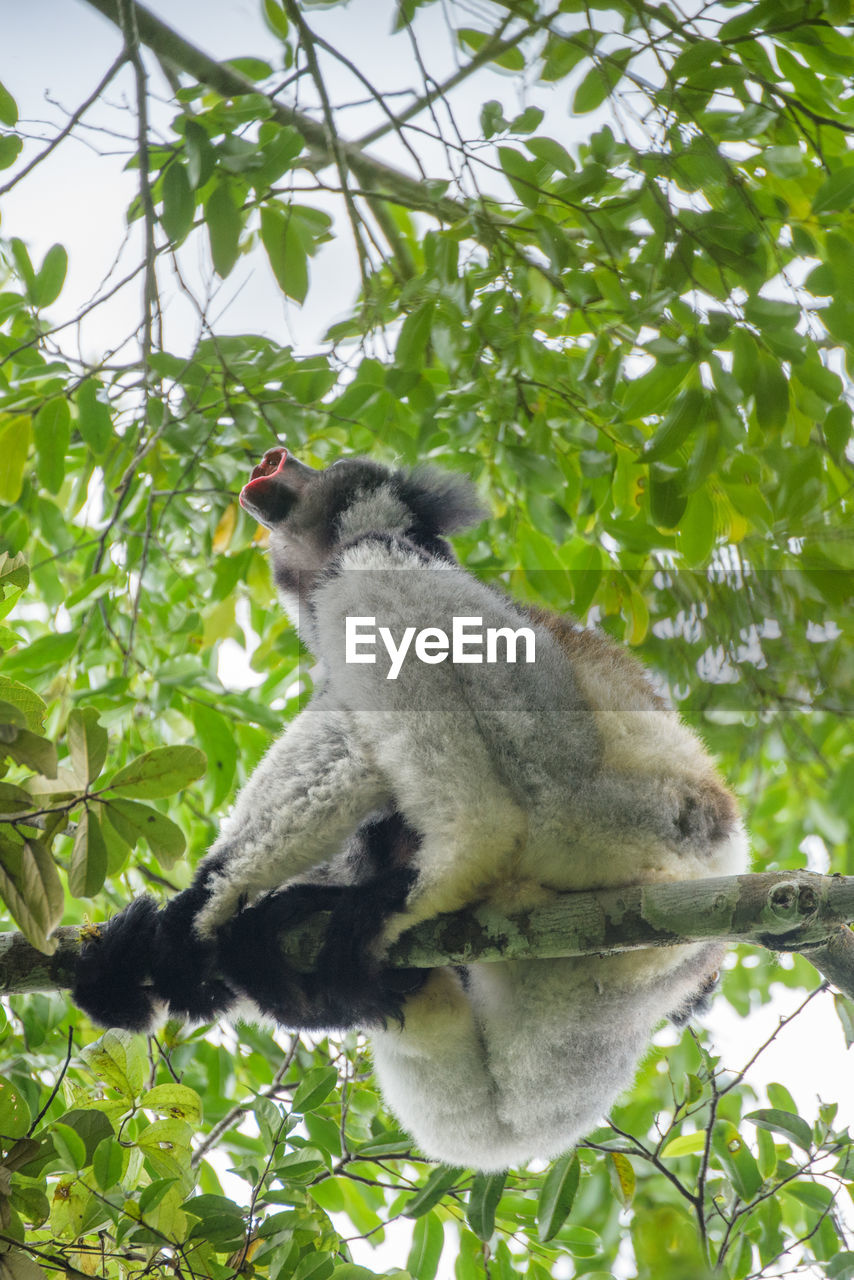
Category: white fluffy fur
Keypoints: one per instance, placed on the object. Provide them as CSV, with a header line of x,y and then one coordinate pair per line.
x,y
523,779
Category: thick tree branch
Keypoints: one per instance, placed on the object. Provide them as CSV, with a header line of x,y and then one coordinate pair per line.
x,y
783,911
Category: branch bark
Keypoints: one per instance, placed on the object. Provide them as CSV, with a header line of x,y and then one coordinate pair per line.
x,y
170,47
782,911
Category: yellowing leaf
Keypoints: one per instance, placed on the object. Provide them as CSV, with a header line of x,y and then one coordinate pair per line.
x,y
687,1144
15,436
225,528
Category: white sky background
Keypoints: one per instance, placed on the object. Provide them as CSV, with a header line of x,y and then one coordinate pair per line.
x,y
61,48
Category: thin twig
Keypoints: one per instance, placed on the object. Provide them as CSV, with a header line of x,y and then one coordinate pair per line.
x,y
66,129
307,41
55,1090
127,11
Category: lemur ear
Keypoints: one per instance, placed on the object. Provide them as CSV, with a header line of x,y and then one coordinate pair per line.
x,y
443,501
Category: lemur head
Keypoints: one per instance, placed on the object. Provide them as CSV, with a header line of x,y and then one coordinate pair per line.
x,y
312,512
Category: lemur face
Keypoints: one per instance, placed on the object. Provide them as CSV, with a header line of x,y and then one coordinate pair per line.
x,y
312,511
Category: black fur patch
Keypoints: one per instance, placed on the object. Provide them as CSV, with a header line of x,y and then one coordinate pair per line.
x,y
113,978
143,955
348,988
185,966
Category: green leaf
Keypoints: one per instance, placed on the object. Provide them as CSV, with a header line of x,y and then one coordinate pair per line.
x,y
88,867
13,571
174,1100
224,226
772,394
562,53
51,276
600,81
93,417
314,1088
252,68
837,193
557,1195
550,152
160,772
413,338
33,751
15,436
219,1218
697,532
686,1144
779,1097
69,1147
689,409
8,108
649,393
667,498
432,1191
845,1013
32,891
737,1159
276,19
23,264
790,1126
14,799
280,146
87,744
528,120
45,654
11,147
522,174
25,699
134,822
815,1196
89,1125
179,203
428,1239
52,432
486,1192
201,158
215,735
97,585
15,1118
286,252
837,429
118,1058
511,59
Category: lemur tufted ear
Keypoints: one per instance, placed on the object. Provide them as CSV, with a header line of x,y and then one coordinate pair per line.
x,y
443,501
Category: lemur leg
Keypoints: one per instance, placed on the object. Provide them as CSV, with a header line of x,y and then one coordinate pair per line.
x,y
298,808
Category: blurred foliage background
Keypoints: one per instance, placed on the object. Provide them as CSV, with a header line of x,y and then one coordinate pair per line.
x,y
612,284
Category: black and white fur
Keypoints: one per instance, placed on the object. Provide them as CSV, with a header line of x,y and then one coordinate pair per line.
x,y
390,801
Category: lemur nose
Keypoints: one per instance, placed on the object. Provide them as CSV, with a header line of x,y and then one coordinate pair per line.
x,y
271,463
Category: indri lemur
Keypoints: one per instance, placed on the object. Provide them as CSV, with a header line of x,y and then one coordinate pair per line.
x,y
391,800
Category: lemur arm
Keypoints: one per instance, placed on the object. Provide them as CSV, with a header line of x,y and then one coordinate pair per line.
x,y
304,799
301,803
